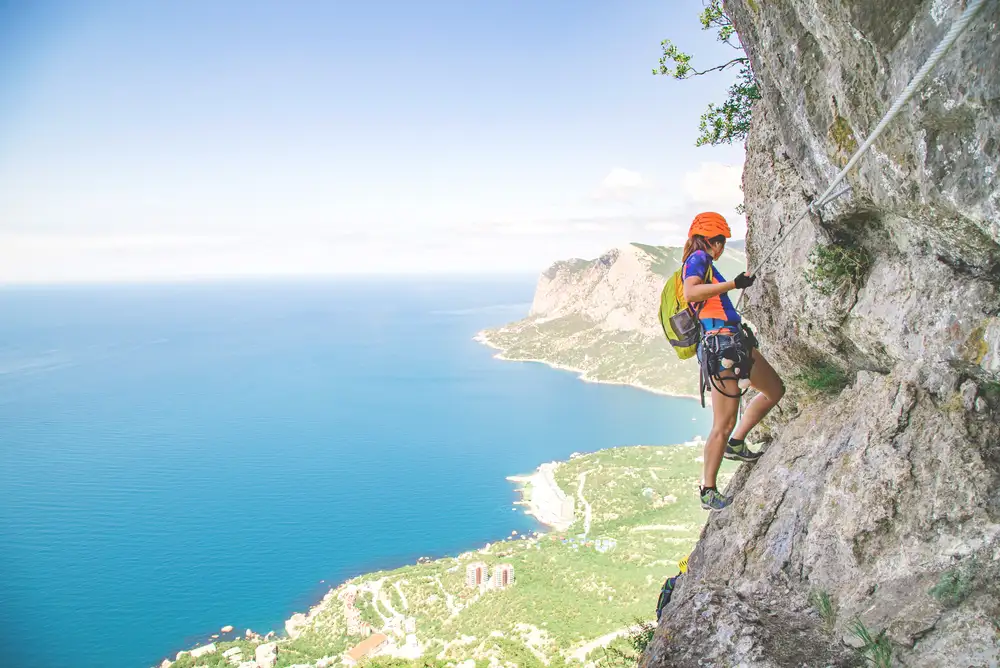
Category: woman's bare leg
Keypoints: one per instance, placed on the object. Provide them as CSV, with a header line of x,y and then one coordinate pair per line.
x,y
723,419
765,380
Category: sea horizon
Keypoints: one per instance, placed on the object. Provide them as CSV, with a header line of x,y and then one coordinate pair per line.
x,y
236,280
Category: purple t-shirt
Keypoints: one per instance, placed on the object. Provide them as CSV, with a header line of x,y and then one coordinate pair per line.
x,y
718,307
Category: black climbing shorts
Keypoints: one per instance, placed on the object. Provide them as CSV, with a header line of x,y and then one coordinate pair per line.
x,y
717,345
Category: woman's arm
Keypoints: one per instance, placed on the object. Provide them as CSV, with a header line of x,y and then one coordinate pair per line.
x,y
696,290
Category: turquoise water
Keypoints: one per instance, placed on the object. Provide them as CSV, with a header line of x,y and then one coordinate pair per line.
x,y
179,458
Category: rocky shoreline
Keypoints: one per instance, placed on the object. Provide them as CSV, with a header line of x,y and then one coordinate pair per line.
x,y
483,337
541,498
399,625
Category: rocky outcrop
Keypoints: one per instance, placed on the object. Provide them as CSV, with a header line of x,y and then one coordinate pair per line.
x,y
617,292
266,655
203,650
877,506
295,624
234,655
599,317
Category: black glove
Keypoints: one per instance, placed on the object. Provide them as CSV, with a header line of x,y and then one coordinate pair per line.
x,y
743,281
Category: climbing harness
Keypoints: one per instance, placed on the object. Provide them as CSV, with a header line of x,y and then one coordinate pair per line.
x,y
726,349
826,197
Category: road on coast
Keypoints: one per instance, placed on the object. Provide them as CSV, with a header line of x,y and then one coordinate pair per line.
x,y
587,514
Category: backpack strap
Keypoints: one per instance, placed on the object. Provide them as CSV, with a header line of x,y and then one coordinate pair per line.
x,y
697,311
703,367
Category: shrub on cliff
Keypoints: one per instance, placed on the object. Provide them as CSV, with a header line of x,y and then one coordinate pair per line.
x,y
835,267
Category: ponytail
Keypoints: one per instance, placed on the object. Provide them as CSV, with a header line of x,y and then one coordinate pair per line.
x,y
696,242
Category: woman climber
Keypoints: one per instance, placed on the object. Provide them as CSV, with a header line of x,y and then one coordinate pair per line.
x,y
727,352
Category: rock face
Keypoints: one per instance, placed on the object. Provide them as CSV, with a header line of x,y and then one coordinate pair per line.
x,y
294,624
599,317
266,655
203,650
882,498
615,292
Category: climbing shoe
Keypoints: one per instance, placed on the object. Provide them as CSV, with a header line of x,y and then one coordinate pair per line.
x,y
713,499
740,451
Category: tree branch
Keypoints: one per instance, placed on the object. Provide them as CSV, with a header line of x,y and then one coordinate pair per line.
x,y
718,68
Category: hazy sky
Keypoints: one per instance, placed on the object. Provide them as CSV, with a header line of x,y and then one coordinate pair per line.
x,y
175,139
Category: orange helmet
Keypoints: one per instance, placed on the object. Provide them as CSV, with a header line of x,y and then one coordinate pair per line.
x,y
709,224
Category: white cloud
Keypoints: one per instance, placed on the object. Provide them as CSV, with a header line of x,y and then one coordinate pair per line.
x,y
529,234
591,227
57,243
525,228
715,185
663,227
621,183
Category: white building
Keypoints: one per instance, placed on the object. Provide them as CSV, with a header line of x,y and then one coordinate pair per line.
x,y
503,576
475,574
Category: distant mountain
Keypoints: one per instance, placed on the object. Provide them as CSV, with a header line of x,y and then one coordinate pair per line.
x,y
599,317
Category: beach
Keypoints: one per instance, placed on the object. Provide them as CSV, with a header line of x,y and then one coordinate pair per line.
x,y
544,499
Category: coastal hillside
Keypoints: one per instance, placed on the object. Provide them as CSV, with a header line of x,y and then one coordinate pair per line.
x,y
546,599
599,317
869,532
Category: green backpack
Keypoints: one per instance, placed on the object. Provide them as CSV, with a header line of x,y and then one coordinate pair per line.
x,y
678,318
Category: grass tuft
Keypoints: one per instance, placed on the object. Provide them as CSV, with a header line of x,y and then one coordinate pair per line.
x,y
877,651
823,377
824,606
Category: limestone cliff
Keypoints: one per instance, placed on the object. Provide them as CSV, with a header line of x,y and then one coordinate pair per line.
x,y
599,317
877,505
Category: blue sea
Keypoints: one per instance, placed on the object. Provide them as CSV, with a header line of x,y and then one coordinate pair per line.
x,y
177,458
